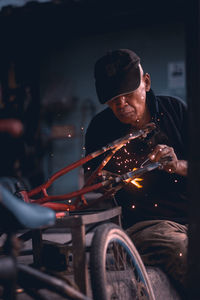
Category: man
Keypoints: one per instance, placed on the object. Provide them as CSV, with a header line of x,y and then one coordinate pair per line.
x,y
155,215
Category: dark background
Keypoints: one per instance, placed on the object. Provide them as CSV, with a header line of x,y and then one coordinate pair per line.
x,y
47,55
51,49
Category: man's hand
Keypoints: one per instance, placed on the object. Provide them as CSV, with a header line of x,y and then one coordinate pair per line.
x,y
173,166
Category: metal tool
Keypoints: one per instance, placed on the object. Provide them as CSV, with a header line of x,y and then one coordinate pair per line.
x,y
146,167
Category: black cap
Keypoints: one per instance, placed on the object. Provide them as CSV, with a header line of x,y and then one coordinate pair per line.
x,y
116,73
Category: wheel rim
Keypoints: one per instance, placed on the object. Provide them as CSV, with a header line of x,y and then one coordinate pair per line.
x,y
124,279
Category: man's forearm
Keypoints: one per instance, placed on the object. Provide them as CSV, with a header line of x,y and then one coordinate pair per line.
x,y
182,167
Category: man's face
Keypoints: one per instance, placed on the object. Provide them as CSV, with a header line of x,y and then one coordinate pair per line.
x,y
131,108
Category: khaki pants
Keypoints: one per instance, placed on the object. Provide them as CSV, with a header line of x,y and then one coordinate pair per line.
x,y
163,243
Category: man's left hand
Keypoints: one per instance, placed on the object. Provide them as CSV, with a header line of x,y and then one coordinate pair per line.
x,y
174,165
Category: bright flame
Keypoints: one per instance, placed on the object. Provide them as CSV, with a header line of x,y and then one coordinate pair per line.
x,y
135,181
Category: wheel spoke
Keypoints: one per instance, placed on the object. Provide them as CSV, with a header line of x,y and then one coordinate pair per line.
x,y
117,272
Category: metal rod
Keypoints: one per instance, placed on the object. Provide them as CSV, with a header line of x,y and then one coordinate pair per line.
x,y
29,277
117,143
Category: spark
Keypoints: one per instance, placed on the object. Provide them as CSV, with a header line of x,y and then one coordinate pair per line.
x,y
180,254
135,181
133,206
156,205
19,290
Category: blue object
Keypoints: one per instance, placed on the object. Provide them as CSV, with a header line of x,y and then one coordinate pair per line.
x,y
28,215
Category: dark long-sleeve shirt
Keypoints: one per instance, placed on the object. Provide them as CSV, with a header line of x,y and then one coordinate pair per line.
x,y
163,195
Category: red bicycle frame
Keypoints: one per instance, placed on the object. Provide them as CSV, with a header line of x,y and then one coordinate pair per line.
x,y
80,202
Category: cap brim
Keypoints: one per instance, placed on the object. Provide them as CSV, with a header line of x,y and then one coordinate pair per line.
x,y
123,84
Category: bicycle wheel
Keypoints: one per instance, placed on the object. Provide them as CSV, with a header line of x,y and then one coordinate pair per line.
x,y
116,269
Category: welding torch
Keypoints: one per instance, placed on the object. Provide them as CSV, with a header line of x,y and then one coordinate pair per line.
x,y
147,167
118,181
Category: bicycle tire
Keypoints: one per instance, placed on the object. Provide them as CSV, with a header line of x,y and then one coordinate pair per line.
x,y
114,278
